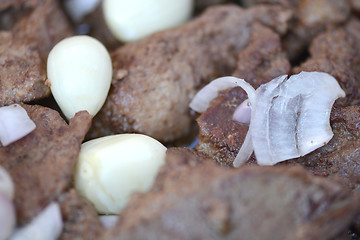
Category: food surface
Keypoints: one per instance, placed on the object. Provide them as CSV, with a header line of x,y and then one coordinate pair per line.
x,y
185,185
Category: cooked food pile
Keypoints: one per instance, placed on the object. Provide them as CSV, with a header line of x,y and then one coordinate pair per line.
x,y
153,120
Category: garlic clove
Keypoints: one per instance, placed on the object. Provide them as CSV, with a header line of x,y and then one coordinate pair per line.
x,y
111,168
78,9
79,71
136,19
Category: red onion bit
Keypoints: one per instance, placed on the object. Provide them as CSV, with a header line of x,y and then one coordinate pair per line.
x,y
14,124
242,113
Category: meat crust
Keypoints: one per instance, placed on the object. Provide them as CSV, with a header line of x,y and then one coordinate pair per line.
x,y
42,163
210,202
155,78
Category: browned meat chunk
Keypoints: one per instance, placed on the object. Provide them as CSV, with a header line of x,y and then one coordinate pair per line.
x,y
155,78
310,17
261,61
42,163
81,220
24,50
337,52
210,202
43,27
341,156
22,73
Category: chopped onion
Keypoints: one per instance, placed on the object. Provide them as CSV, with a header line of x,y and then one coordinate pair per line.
x,y
203,98
289,116
242,113
14,124
7,216
6,184
46,226
108,221
78,9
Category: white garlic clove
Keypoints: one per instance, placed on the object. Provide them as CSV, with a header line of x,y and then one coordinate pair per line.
x,y
108,221
79,71
111,168
136,19
78,9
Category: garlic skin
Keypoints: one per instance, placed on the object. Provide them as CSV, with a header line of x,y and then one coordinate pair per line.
x,y
111,168
79,71
136,19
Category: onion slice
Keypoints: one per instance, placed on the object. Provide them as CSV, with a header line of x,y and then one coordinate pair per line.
x,y
45,226
6,184
201,102
291,116
14,124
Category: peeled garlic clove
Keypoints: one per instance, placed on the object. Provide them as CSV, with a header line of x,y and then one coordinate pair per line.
x,y
132,20
78,9
79,71
111,168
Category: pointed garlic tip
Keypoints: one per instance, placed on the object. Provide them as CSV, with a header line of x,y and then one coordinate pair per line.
x,y
136,19
111,168
291,117
79,71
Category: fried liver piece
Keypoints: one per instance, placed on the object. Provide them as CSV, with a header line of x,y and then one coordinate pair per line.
x,y
210,202
42,163
24,50
310,18
262,60
155,78
80,218
22,72
337,52
340,158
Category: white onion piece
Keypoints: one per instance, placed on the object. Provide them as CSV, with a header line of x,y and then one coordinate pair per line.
x,y
108,221
203,98
7,217
45,226
78,9
290,117
242,113
6,184
14,124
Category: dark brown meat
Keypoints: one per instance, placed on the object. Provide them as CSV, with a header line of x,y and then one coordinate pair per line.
x,y
340,158
43,27
261,61
337,52
22,72
155,78
42,163
99,29
24,50
310,18
210,202
80,218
